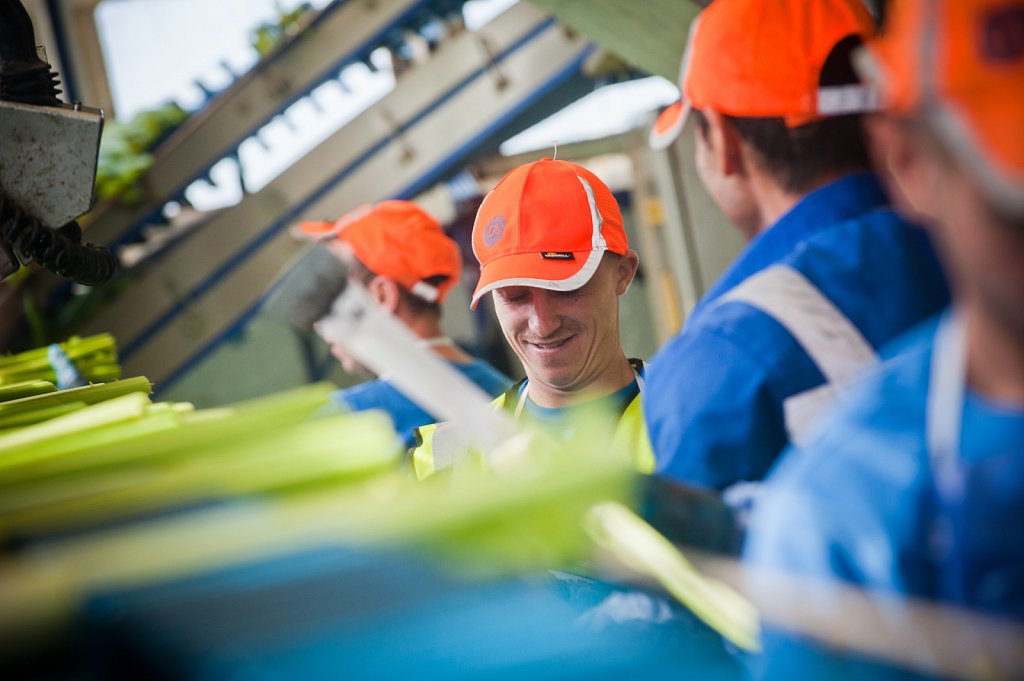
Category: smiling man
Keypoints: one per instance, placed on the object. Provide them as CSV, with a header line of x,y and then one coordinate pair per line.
x,y
554,255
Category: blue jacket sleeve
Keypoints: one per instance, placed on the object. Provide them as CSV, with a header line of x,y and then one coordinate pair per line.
x,y
711,414
852,505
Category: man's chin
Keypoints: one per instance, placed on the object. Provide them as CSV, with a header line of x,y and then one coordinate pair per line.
x,y
558,377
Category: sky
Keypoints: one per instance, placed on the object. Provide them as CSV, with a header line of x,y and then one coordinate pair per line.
x,y
162,50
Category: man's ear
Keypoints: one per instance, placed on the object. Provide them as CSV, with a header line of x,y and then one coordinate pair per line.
x,y
386,292
626,271
910,174
724,144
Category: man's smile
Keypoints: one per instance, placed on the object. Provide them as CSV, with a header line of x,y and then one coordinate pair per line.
x,y
550,345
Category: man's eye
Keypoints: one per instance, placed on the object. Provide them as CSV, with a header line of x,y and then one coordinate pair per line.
x,y
513,296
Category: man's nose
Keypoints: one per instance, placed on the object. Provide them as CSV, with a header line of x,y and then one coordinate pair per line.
x,y
544,318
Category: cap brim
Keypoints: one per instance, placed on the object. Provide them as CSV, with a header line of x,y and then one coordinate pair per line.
x,y
315,231
669,125
531,269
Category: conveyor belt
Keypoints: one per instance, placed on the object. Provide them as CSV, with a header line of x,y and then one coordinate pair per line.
x,y
205,286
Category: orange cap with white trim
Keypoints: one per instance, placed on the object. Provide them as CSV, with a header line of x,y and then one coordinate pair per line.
x,y
764,58
545,224
398,240
959,65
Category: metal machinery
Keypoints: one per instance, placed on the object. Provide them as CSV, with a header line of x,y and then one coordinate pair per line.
x,y
47,162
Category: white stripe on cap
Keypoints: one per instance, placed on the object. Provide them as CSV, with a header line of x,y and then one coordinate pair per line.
x,y
660,141
596,220
577,280
425,291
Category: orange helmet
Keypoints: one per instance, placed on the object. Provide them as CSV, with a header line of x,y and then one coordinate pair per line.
x,y
761,58
398,240
545,224
959,65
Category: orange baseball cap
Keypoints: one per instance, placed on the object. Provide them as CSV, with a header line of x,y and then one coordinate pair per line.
x,y
545,224
398,240
761,58
960,66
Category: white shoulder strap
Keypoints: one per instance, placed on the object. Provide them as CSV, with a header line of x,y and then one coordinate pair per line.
x,y
831,340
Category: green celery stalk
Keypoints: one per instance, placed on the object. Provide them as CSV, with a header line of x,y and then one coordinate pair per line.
x,y
641,548
16,391
94,356
74,347
10,422
90,394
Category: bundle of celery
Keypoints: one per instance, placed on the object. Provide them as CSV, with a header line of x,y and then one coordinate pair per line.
x,y
95,358
527,517
46,404
127,457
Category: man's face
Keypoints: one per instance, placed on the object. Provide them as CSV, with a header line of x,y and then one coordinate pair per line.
x,y
983,253
567,340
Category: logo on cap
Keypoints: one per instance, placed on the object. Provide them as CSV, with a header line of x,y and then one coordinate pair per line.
x,y
494,229
1003,34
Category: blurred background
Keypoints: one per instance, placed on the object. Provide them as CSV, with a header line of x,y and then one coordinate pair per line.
x,y
228,122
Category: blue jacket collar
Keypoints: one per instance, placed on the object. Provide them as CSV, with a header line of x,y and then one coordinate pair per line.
x,y
832,204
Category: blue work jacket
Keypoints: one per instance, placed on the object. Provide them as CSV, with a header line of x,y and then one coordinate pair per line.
x,y
720,393
861,503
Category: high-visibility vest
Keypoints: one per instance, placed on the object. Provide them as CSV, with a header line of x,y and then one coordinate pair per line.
x,y
441,446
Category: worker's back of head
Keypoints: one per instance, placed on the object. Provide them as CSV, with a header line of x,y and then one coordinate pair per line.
x,y
398,251
779,76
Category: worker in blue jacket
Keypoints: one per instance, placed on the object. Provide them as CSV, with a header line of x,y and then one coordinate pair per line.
x,y
915,484
830,273
408,264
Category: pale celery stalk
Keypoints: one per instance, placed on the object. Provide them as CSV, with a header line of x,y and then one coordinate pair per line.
x,y
200,430
342,448
641,548
46,457
29,444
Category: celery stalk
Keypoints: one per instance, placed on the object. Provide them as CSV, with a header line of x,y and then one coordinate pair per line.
x,y
28,444
90,394
16,391
341,448
641,548
201,430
